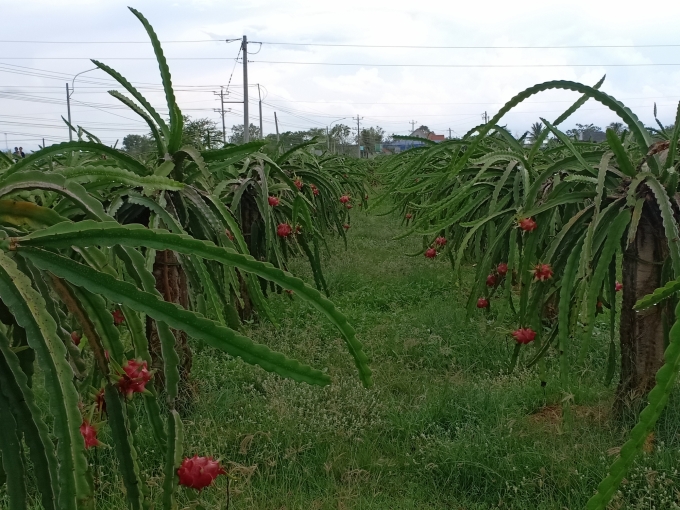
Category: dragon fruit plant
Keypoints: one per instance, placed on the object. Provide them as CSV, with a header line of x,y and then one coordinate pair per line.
x,y
77,297
559,215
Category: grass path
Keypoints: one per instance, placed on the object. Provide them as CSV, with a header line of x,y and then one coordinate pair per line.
x,y
444,427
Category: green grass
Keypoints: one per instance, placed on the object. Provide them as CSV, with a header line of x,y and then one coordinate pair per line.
x,y
444,427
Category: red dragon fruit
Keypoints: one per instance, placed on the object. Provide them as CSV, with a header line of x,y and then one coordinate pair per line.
x,y
284,230
524,335
89,434
273,201
134,377
199,472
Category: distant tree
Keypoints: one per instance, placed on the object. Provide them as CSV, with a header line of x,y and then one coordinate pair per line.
x,y
617,127
138,145
237,133
587,133
370,137
535,131
203,133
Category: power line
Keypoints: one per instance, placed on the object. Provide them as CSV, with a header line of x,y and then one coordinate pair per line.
x,y
456,65
351,45
406,46
361,64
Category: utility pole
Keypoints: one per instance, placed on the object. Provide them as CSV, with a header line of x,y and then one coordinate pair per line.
x,y
358,133
260,96
246,121
485,117
449,133
43,143
276,122
6,144
413,125
221,112
68,107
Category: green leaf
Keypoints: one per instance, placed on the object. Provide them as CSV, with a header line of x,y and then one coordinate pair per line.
x,y
616,146
12,457
28,308
89,233
175,316
173,458
176,121
126,161
14,384
657,400
119,176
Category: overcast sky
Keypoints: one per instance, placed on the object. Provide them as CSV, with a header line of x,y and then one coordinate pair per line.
x,y
443,91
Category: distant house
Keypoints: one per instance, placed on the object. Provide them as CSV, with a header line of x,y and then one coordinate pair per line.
x,y
397,146
436,138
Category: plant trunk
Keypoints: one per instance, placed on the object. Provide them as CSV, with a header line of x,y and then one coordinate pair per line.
x,y
250,216
642,333
171,282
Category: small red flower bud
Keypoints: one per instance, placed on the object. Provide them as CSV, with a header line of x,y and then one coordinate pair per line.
x,y
502,269
440,241
75,337
491,280
527,224
430,253
284,230
118,317
345,226
409,216
618,287
482,303
199,472
524,335
273,201
543,272
89,434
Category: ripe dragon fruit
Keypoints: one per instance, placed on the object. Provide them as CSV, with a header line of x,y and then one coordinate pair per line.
x,y
315,190
344,199
482,303
284,230
134,377
273,201
298,183
491,280
89,434
527,224
75,337
409,216
524,335
502,269
440,241
199,472
431,253
618,287
345,226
